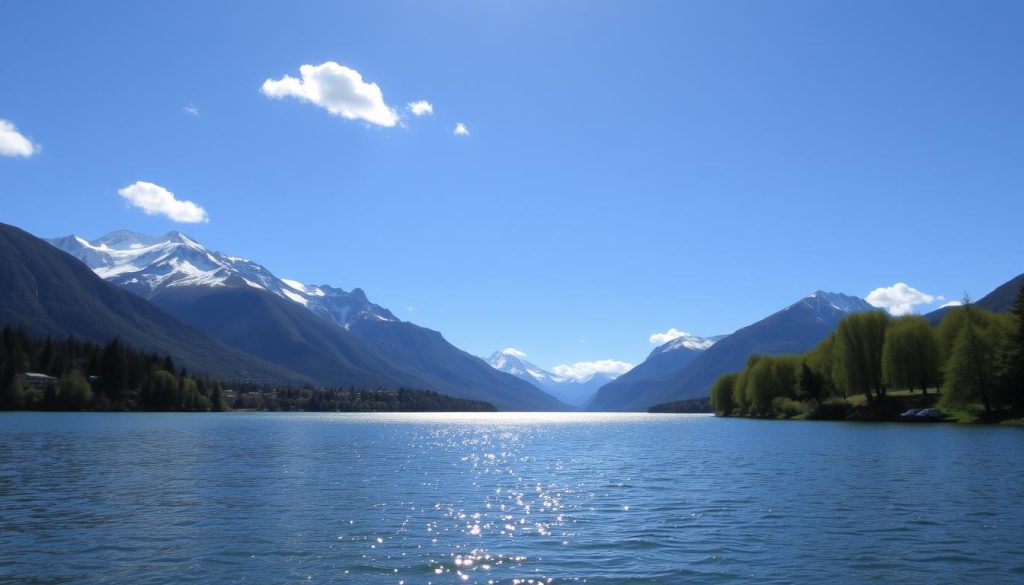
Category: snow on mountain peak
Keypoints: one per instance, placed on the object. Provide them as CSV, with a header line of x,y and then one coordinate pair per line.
x,y
122,240
148,265
826,301
688,342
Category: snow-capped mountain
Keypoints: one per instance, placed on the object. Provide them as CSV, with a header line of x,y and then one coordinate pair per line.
x,y
661,364
147,265
792,330
572,391
511,364
690,342
826,306
331,336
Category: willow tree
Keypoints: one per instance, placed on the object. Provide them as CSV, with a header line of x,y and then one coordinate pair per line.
x,y
910,355
821,360
740,400
73,391
721,393
858,352
770,378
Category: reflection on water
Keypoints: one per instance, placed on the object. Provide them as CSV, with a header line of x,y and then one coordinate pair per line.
x,y
504,498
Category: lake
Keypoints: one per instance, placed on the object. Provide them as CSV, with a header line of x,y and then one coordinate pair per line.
x,y
496,498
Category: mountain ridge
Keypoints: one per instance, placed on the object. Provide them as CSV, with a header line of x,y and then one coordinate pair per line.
x,y
327,333
793,329
661,363
572,391
49,292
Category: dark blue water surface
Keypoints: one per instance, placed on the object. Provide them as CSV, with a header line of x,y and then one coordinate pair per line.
x,y
496,498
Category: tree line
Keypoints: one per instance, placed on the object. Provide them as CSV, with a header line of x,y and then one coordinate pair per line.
x,y
974,357
312,399
92,376
83,375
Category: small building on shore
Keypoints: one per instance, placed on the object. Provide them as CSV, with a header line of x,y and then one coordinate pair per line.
x,y
36,380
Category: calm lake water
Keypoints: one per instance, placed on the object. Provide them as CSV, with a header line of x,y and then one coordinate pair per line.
x,y
482,498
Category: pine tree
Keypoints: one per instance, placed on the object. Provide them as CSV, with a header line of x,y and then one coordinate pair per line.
x,y
1011,375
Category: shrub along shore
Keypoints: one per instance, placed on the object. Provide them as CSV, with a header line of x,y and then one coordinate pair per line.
x,y
874,367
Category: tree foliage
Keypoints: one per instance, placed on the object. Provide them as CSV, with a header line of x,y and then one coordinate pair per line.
x,y
859,342
976,357
910,356
1011,358
970,370
114,376
721,393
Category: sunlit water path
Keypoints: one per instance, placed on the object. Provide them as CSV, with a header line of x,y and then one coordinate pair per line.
x,y
505,498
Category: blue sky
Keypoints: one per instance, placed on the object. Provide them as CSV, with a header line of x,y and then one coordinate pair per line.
x,y
630,166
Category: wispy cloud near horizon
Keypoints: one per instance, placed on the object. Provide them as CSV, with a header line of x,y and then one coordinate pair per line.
x,y
667,336
584,370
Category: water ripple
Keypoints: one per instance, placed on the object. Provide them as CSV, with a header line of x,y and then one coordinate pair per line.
x,y
504,498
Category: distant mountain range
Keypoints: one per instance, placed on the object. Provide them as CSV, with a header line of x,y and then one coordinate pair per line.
x,y
233,318
572,391
795,329
660,365
323,333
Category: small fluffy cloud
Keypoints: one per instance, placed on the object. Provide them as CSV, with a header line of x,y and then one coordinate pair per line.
x,y
421,108
461,130
153,199
584,370
667,336
899,299
952,304
190,109
514,352
338,89
14,143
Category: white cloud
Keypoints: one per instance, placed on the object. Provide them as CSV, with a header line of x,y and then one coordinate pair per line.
x,y
194,110
155,200
514,352
338,89
952,304
461,130
584,370
14,143
421,108
899,299
667,336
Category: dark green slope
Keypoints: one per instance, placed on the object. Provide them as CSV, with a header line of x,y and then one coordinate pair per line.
x,y
49,292
285,333
997,301
456,372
